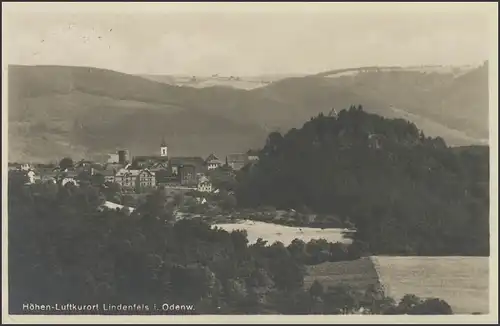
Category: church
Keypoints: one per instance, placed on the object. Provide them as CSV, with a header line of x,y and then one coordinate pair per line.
x,y
171,169
154,161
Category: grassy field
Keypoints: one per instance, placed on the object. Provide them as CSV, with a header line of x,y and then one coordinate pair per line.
x,y
463,282
358,274
286,234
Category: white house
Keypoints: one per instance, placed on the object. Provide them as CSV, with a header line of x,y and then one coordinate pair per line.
x,y
212,162
204,184
67,180
25,167
32,177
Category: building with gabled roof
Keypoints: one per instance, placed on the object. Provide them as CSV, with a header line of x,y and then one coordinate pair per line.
x,y
237,161
109,175
145,179
213,162
252,155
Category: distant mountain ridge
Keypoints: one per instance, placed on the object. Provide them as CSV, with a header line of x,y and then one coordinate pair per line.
x,y
57,111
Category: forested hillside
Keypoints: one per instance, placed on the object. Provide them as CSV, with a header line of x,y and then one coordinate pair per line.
x,y
63,250
406,193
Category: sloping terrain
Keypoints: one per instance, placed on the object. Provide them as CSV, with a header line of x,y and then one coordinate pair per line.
x,y
463,282
357,274
57,111
452,104
80,112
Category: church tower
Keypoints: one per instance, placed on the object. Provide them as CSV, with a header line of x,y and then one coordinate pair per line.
x,y
163,148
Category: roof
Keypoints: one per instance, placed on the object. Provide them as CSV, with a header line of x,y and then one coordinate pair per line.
x,y
195,161
107,173
146,171
69,174
112,205
212,157
132,173
150,158
160,165
81,162
253,152
204,179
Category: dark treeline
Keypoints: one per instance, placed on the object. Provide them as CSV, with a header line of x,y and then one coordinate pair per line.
x,y
406,194
63,249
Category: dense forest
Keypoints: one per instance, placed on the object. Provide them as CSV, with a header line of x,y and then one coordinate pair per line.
x,y
64,249
406,194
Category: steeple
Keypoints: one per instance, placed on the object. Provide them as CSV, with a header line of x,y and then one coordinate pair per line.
x,y
163,147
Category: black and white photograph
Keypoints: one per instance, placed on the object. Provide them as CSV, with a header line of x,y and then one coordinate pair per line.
x,y
286,161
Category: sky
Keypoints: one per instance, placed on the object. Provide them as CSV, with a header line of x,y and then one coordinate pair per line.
x,y
242,42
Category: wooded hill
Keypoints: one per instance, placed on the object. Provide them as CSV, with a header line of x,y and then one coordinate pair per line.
x,y
406,193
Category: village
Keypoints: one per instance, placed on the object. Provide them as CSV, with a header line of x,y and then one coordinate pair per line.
x,y
138,174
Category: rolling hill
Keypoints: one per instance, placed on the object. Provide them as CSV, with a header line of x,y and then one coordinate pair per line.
x,y
57,111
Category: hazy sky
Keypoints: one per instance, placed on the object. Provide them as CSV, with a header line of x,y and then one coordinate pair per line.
x,y
251,43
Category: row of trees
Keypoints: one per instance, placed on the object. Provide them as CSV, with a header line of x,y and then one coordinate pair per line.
x,y
406,193
63,249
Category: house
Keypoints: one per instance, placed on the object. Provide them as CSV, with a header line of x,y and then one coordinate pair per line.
x,y
253,155
163,177
145,179
83,163
201,200
68,177
143,162
25,167
47,175
204,185
127,178
109,175
113,167
158,166
113,158
114,206
195,161
33,177
212,162
85,166
187,175
237,161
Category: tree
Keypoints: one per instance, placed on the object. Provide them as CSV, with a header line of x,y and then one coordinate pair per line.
x,y
228,202
68,249
66,163
316,289
431,307
412,196
98,180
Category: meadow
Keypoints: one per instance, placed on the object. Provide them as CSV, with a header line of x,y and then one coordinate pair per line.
x,y
286,234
